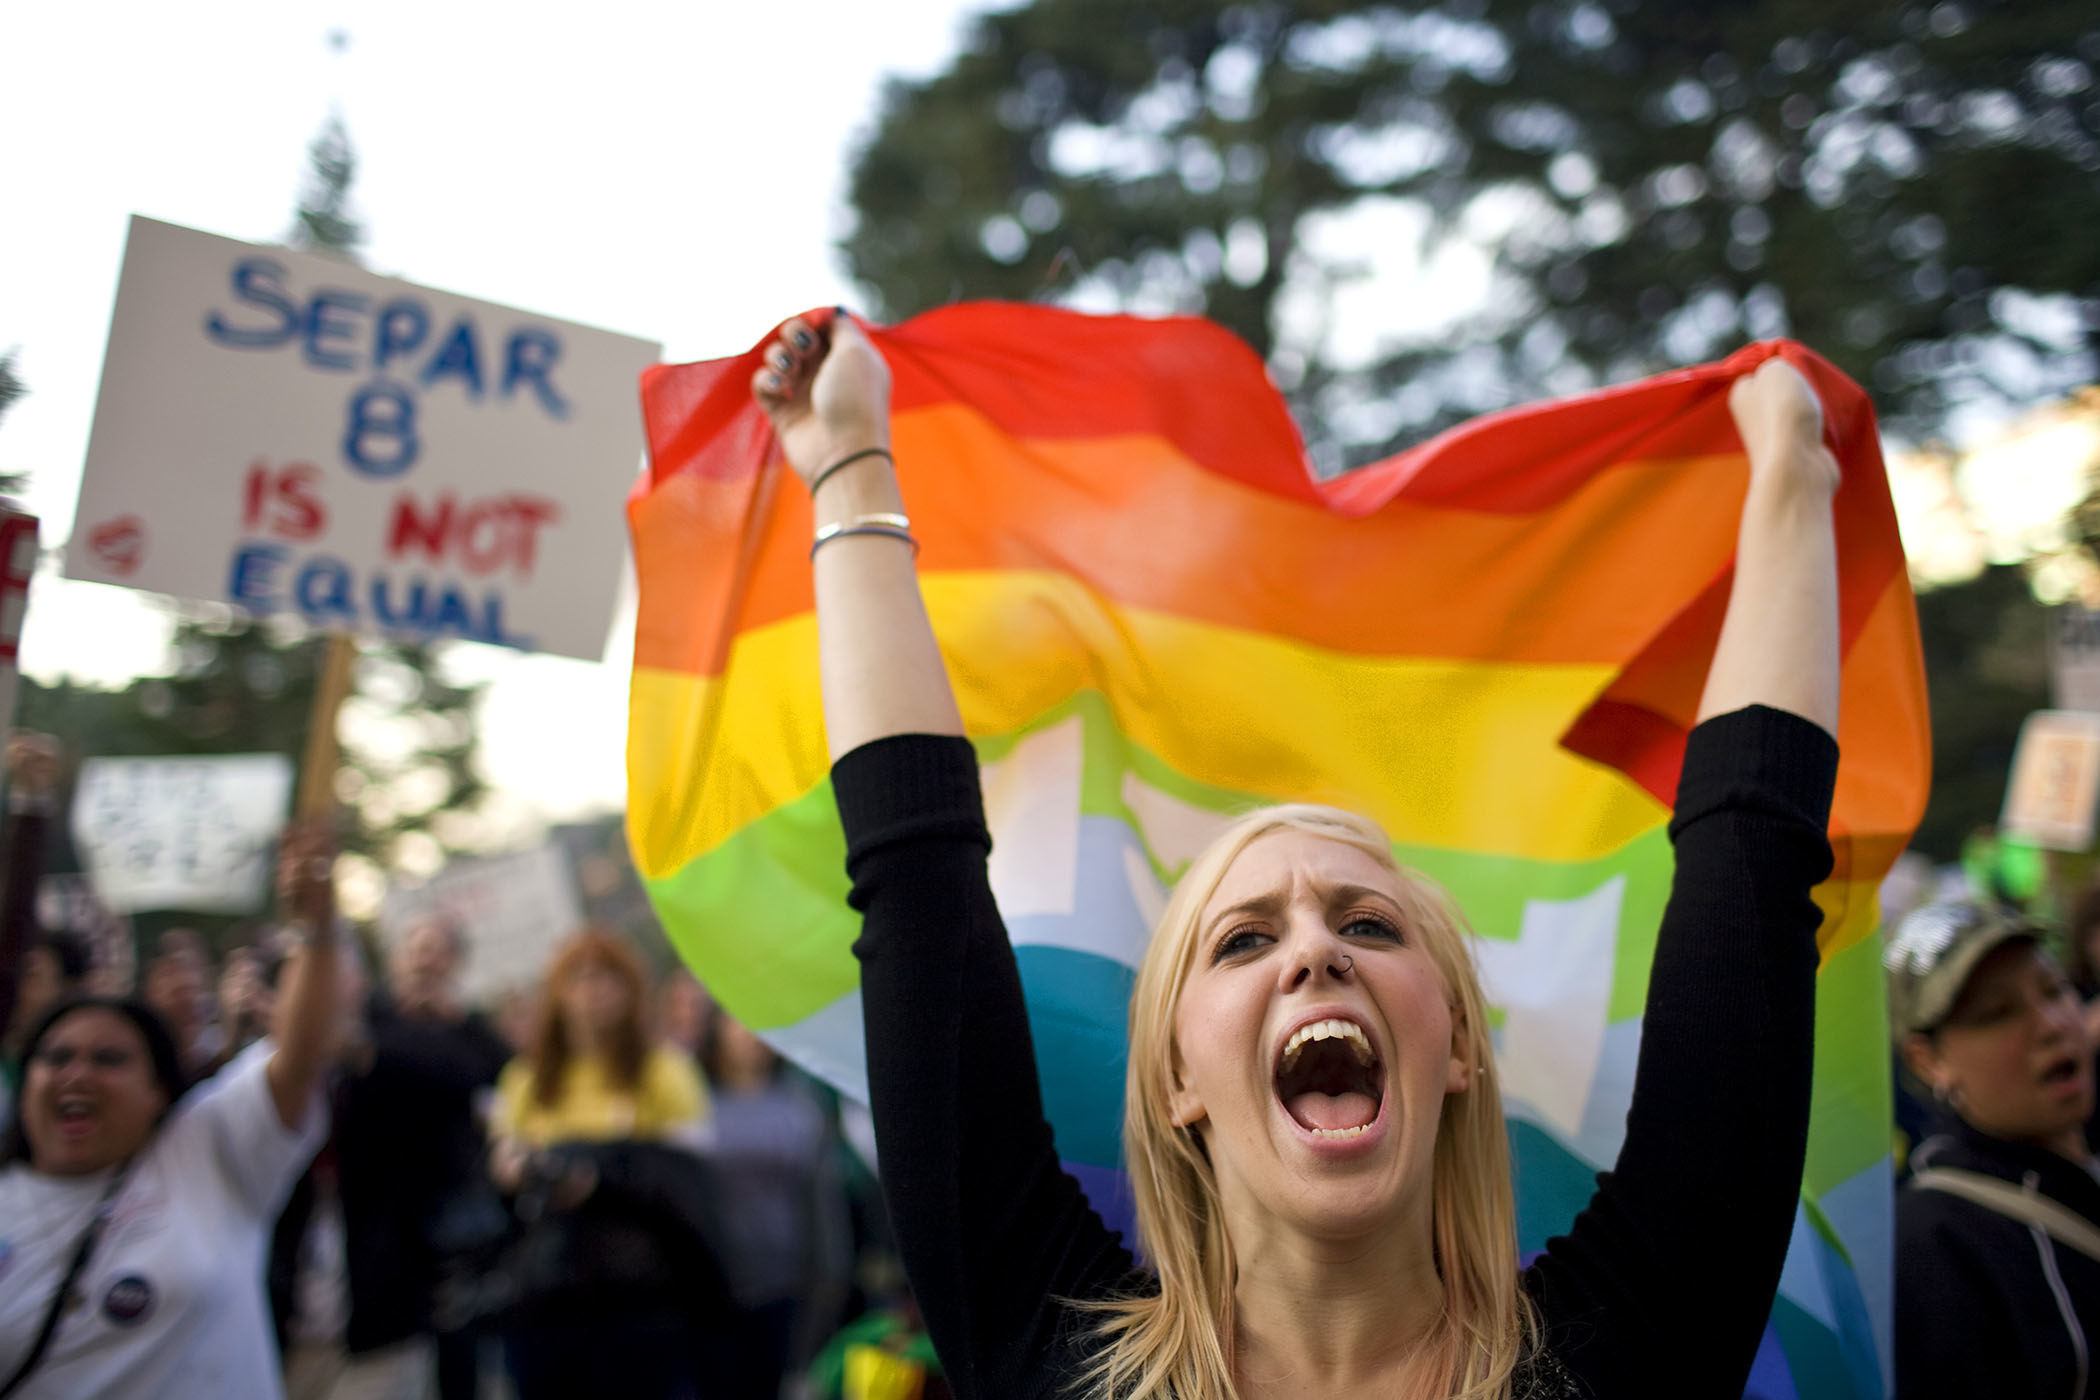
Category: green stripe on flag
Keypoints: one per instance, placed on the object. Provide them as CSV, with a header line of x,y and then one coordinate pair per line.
x,y
762,918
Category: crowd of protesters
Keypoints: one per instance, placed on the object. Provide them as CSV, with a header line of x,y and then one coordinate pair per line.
x,y
271,1171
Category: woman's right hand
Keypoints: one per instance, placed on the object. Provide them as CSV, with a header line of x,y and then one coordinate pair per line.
x,y
827,393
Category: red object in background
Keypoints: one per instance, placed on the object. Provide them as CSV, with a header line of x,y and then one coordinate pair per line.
x,y
119,544
18,554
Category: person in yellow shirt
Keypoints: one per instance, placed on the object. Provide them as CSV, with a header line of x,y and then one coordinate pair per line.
x,y
594,1132
594,1074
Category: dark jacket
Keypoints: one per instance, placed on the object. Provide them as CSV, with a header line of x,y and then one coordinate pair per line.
x,y
406,1150
1986,1305
646,1240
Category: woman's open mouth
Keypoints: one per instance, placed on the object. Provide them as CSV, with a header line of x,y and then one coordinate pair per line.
x,y
1329,1079
76,1117
2064,1074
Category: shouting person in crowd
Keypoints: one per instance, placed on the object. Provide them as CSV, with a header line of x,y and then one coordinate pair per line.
x,y
133,1216
1998,1230
1313,1128
769,1146
404,1175
617,1285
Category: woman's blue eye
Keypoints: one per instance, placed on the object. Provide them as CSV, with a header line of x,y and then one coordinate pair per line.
x,y
1364,926
1240,940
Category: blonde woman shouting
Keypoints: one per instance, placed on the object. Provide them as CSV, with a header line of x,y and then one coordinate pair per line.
x,y
1313,1128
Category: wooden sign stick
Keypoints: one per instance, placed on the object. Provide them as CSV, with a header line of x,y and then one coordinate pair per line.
x,y
317,773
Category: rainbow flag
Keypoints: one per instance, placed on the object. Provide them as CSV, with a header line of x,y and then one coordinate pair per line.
x,y
1155,616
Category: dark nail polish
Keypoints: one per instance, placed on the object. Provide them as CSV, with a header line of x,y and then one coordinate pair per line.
x,y
803,340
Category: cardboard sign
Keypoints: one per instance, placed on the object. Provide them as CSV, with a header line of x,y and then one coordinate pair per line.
x,y
2055,780
182,833
2074,658
288,433
513,909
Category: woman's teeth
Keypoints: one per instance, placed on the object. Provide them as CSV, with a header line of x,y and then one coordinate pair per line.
x,y
1358,1131
1330,1029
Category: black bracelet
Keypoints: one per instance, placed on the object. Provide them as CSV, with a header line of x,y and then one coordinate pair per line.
x,y
892,531
846,461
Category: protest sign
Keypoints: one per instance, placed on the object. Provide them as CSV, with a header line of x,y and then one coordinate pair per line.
x,y
2074,658
17,567
2055,780
289,433
513,910
181,833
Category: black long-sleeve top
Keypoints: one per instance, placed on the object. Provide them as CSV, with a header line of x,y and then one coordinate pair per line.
x,y
1666,1278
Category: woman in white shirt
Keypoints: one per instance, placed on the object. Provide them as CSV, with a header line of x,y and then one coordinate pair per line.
x,y
134,1217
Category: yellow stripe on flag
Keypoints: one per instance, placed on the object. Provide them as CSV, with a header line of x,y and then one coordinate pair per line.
x,y
1423,745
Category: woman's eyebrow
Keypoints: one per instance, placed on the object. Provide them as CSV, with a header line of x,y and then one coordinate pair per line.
x,y
1348,893
1260,904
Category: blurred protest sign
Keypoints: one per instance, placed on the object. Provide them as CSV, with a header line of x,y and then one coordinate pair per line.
x,y
181,833
289,433
513,909
17,567
2055,780
2074,659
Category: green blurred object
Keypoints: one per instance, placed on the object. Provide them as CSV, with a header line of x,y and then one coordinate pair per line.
x,y
2003,866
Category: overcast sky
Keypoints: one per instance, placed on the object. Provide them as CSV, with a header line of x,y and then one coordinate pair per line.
x,y
672,171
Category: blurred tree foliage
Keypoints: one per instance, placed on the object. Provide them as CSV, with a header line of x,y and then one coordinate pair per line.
x,y
246,685
1911,188
1986,668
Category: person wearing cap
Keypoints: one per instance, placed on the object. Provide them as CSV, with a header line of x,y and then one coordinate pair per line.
x,y
1998,1231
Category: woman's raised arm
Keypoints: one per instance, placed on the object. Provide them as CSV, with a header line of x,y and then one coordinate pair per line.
x,y
1672,1268
991,1229
828,394
309,1017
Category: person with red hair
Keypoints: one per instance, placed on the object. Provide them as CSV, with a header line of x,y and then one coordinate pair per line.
x,y
593,1134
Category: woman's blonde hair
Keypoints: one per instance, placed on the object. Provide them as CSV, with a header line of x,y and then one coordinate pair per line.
x,y
1177,1344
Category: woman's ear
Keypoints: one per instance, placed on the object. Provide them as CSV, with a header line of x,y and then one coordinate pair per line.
x,y
1458,1074
1921,1057
1184,1105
